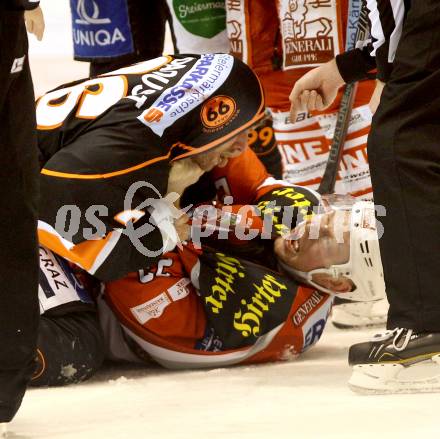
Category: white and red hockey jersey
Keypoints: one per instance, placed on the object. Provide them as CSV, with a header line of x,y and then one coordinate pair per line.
x,y
205,308
223,304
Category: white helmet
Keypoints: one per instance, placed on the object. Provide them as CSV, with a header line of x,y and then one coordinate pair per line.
x,y
364,266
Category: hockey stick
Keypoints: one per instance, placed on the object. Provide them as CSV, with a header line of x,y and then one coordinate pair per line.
x,y
327,185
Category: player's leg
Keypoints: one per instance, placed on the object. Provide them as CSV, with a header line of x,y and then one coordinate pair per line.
x,y
70,349
404,156
70,344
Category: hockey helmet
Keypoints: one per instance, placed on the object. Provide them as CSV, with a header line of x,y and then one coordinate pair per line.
x,y
364,264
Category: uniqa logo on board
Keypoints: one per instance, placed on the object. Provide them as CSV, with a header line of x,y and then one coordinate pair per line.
x,y
92,28
85,18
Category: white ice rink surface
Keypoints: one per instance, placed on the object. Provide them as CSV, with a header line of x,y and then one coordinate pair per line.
x,y
305,398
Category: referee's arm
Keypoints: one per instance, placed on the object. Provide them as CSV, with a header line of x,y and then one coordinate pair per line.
x,y
386,20
21,5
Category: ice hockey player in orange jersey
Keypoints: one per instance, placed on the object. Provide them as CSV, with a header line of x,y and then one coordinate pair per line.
x,y
233,297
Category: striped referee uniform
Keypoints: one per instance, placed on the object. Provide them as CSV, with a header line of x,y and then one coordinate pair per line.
x,y
404,155
378,51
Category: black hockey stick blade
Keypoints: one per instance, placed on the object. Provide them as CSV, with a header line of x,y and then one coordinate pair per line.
x,y
327,185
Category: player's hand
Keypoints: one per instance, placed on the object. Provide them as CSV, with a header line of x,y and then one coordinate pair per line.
x,y
183,173
316,90
34,20
183,227
375,97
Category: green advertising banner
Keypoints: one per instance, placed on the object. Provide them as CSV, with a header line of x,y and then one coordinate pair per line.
x,y
200,17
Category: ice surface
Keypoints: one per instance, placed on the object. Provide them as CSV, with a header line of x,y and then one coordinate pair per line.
x,y
306,398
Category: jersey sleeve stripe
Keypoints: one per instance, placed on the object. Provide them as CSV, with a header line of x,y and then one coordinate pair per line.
x,y
58,174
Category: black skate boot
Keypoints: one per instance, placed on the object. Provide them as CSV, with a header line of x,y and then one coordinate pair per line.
x,y
397,361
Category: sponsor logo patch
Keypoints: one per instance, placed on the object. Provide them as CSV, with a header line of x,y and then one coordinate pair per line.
x,y
314,326
306,308
201,17
152,309
17,65
217,111
236,28
309,32
95,34
153,115
179,290
198,84
58,284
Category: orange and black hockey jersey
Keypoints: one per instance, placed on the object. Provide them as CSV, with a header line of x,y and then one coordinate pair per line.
x,y
101,136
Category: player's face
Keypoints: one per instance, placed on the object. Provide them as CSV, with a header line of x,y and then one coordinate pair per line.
x,y
320,242
220,156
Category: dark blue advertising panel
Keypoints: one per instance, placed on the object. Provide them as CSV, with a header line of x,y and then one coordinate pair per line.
x,y
101,29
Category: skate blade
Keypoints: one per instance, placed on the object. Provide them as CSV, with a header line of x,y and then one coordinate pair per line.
x,y
381,379
343,320
358,326
360,315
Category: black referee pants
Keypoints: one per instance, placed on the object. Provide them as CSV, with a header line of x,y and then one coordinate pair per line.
x,y
404,155
19,311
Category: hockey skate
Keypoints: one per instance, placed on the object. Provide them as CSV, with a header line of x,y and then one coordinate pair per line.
x,y
347,314
397,361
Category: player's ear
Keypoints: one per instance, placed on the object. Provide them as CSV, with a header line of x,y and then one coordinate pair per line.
x,y
340,285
